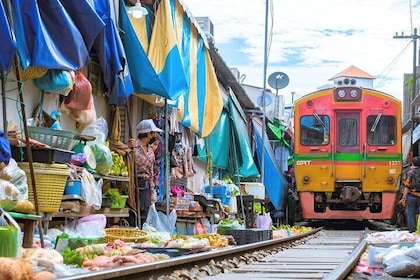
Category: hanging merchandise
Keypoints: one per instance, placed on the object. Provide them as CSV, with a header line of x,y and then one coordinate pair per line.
x,y
56,80
5,151
80,96
31,72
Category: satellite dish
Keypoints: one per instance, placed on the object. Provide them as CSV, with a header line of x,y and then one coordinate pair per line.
x,y
278,80
268,100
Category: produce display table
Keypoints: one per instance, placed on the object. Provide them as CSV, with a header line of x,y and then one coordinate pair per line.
x,y
29,222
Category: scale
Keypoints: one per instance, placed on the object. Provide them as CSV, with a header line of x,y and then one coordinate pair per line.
x,y
81,147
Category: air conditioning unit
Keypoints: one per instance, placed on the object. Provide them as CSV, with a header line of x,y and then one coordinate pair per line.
x,y
206,25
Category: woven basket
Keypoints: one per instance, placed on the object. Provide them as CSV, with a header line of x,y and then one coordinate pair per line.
x,y
50,180
125,234
59,139
32,72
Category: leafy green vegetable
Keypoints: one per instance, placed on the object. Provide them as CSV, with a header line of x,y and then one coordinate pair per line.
x,y
117,200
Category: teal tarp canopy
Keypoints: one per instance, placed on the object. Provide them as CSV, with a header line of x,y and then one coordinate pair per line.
x,y
229,141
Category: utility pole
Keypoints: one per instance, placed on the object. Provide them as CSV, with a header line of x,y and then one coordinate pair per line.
x,y
414,93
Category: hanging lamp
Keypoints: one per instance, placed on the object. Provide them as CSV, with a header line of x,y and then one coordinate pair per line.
x,y
138,10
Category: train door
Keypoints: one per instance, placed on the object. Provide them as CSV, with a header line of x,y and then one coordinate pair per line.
x,y
347,146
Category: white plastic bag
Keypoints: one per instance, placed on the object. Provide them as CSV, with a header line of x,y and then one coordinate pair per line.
x,y
263,221
91,190
91,226
160,221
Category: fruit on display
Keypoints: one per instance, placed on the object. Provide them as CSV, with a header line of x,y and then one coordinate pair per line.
x,y
118,167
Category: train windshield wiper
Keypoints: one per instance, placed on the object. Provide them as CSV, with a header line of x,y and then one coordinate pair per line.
x,y
375,124
324,128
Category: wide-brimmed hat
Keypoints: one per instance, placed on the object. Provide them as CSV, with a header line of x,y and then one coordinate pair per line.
x,y
146,126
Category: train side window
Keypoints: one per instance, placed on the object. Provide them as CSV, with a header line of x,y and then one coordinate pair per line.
x,y
381,130
314,130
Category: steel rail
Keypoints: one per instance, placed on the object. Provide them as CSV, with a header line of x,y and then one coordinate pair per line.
x,y
164,267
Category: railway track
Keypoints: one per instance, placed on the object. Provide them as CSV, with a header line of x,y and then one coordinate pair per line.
x,y
317,254
325,255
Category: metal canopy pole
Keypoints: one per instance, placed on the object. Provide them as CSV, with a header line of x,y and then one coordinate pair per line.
x,y
264,91
3,97
25,129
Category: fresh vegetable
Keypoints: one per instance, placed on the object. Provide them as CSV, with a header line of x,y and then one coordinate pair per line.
x,y
117,200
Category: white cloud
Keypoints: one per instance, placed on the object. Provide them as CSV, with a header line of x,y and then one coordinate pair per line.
x,y
314,40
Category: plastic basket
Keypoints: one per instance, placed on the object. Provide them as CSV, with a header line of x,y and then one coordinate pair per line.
x,y
220,192
50,180
59,139
125,234
246,236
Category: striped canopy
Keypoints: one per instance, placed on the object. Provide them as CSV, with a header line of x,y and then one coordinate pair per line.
x,y
172,60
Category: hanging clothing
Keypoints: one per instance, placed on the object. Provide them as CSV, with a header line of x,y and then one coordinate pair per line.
x,y
282,154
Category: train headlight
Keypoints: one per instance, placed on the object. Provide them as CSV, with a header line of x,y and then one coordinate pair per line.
x,y
341,93
306,179
353,93
390,179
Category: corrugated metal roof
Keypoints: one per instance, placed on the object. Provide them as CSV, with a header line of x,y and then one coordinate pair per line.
x,y
353,72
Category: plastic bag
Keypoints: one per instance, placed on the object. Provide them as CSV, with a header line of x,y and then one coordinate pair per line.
x,y
98,129
81,94
200,227
11,243
15,175
9,195
263,221
160,221
91,190
56,80
103,158
91,226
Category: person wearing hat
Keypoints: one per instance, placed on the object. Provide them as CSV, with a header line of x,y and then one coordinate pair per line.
x,y
145,161
411,194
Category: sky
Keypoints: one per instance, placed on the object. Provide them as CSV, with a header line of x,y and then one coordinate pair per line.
x,y
313,40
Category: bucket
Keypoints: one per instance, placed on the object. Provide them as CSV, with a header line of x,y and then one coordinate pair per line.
x,y
73,187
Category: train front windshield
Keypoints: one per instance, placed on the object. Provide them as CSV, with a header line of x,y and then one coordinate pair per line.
x,y
315,130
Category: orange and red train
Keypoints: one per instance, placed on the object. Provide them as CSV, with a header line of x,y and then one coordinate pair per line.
x,y
348,153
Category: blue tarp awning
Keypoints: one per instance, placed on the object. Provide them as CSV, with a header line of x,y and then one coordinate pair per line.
x,y
275,183
47,36
8,44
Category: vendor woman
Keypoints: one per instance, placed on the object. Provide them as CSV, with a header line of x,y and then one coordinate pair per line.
x,y
145,161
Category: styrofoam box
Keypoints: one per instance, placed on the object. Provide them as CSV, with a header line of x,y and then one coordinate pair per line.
x,y
255,189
